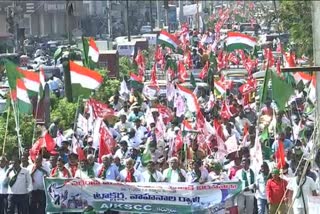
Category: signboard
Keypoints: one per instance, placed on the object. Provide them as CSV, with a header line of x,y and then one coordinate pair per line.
x,y
72,195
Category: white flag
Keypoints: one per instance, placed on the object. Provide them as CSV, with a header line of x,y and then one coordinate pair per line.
x,y
123,88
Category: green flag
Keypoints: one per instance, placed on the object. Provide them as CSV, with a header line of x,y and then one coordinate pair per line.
x,y
57,54
12,74
264,135
192,80
254,53
146,156
85,46
264,89
281,91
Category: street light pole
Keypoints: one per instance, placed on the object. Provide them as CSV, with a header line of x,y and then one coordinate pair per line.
x,y
316,46
128,21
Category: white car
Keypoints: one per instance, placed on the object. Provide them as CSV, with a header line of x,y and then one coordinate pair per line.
x,y
146,29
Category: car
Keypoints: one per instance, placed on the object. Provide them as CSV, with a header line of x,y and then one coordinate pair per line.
x,y
145,29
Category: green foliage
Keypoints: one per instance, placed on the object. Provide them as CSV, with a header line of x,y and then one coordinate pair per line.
x,y
108,88
296,18
125,66
26,132
64,110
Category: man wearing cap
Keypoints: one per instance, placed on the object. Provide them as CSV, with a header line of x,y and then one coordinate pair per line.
x,y
174,174
89,149
151,174
275,191
130,174
132,139
136,113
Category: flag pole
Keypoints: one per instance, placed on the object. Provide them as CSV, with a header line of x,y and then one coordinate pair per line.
x,y
6,132
76,116
36,117
15,113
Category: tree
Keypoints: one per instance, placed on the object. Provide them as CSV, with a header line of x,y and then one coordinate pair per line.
x,y
125,66
296,18
108,88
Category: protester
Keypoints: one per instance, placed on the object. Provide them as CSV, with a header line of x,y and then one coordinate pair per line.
x,y
276,193
19,187
3,185
260,184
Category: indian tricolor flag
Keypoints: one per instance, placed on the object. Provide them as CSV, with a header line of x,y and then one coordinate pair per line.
x,y
312,89
31,80
219,88
136,81
93,50
83,80
191,99
168,40
236,41
23,101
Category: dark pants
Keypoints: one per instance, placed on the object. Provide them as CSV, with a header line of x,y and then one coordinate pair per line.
x,y
3,203
21,202
38,202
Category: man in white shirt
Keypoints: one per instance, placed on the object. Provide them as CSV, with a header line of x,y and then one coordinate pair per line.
x,y
174,173
20,185
3,185
130,174
301,188
246,198
140,130
94,165
38,196
198,173
151,174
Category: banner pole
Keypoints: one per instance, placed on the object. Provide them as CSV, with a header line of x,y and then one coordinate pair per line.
x,y
15,113
36,119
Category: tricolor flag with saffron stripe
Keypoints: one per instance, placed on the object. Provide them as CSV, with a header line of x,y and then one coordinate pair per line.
x,y
31,80
23,101
83,80
219,87
236,41
93,50
136,81
191,100
168,40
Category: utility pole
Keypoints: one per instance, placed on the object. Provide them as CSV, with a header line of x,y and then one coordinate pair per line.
x,y
158,14
69,11
316,46
181,20
198,18
128,21
109,18
150,15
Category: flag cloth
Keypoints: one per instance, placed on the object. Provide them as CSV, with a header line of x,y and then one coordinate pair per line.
x,y
312,89
281,91
264,88
204,71
136,81
280,155
192,80
23,101
146,155
219,87
168,40
12,74
83,80
45,141
190,99
123,88
106,143
236,40
42,85
182,72
231,144
93,50
57,54
31,81
256,154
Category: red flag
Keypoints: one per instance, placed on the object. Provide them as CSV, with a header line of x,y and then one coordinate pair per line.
x,y
188,59
45,141
183,75
98,108
154,81
106,143
233,58
280,155
178,143
165,112
225,111
248,87
204,71
268,55
289,60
